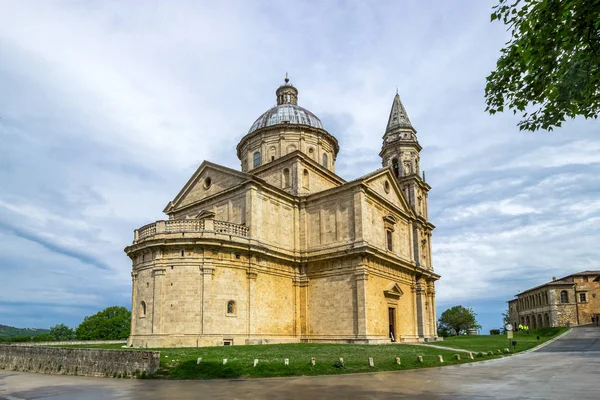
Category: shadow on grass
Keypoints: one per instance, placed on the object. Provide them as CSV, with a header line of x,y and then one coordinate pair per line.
x,y
205,370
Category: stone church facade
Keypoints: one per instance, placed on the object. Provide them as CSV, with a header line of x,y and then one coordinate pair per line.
x,y
287,251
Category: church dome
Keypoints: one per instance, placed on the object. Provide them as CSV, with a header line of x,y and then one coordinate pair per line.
x,y
286,113
284,129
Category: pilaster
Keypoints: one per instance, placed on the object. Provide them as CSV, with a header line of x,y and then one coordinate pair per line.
x,y
207,274
134,308
251,276
421,310
157,300
361,277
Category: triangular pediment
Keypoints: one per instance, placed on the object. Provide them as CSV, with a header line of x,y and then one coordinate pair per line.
x,y
393,292
385,185
208,180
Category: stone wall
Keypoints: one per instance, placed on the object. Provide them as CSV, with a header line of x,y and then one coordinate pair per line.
x,y
68,343
84,362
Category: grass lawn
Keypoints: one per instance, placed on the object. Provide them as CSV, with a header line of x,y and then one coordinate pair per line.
x,y
493,342
181,363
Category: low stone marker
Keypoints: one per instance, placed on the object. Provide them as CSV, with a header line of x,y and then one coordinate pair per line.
x,y
420,359
440,358
470,356
224,361
398,360
506,350
255,362
457,356
342,361
286,361
199,361
313,361
498,351
371,363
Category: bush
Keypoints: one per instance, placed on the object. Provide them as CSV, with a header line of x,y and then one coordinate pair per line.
x,y
494,331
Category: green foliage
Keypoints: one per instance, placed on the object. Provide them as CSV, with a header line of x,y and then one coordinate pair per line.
x,y
112,323
505,320
458,319
61,332
550,68
11,332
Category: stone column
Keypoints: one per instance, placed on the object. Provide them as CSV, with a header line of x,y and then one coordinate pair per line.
x,y
421,310
157,300
361,276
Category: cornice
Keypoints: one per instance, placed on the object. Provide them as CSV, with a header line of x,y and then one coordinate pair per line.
x,y
278,127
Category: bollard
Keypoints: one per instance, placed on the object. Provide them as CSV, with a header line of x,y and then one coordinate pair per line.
x,y
255,362
313,361
224,361
342,361
457,356
398,360
440,358
371,363
420,359
470,356
199,360
286,361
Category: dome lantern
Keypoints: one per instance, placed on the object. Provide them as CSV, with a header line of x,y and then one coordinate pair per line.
x,y
287,93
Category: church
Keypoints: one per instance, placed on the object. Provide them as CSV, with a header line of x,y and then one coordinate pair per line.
x,y
285,250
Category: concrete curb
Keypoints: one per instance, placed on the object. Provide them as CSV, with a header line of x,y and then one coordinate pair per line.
x,y
539,346
440,347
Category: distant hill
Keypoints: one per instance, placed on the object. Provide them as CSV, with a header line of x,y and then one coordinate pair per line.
x,y
9,331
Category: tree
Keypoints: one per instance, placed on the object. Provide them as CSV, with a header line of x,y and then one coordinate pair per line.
x,y
112,323
550,68
61,332
458,319
505,320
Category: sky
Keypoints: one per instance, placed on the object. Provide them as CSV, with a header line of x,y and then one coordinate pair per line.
x,y
108,107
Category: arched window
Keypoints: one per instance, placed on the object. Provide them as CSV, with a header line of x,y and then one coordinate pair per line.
x,y
257,159
231,307
325,160
305,179
143,309
286,178
396,167
564,297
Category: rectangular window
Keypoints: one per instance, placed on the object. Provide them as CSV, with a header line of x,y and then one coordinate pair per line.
x,y
582,298
389,240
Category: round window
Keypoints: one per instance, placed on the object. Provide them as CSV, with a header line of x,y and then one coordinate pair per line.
x,y
207,182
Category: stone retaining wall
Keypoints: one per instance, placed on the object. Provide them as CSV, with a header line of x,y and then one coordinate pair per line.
x,y
67,343
85,362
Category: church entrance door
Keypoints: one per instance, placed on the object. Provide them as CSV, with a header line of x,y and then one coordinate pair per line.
x,y
392,323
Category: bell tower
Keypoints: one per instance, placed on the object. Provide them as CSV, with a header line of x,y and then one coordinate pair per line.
x,y
401,152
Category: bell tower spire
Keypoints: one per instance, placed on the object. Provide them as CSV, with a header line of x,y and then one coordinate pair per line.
x,y
401,151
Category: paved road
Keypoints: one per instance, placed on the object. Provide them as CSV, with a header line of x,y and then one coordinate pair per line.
x,y
565,369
